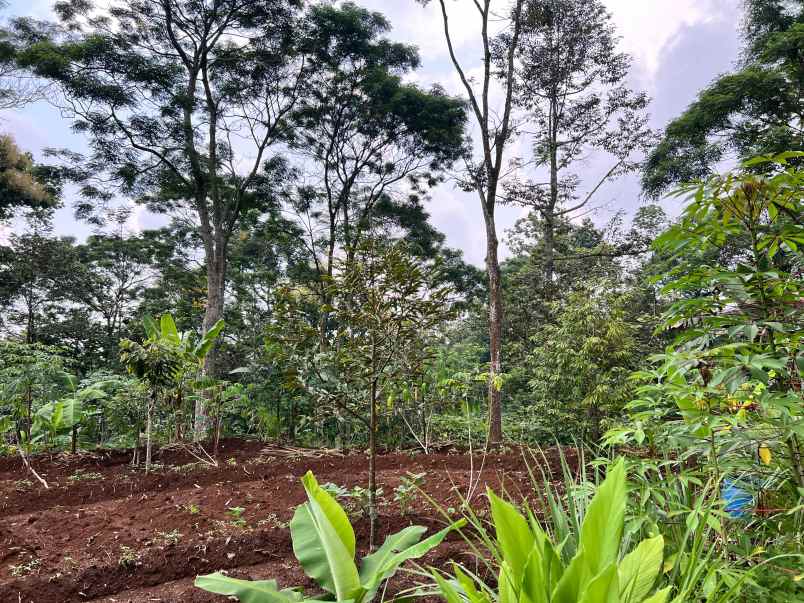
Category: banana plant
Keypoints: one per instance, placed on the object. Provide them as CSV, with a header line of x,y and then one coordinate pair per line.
x,y
531,569
324,544
66,414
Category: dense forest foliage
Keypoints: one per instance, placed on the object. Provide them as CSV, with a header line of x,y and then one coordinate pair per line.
x,y
298,292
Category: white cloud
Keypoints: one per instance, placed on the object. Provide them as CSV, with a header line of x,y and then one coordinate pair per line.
x,y
646,27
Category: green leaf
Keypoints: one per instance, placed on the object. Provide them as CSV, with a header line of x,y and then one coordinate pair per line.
x,y
246,591
603,588
169,330
513,534
397,549
151,328
324,542
208,340
573,580
639,568
72,413
660,596
603,524
448,591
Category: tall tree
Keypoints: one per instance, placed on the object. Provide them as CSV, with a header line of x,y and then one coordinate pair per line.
x,y
37,273
182,101
571,80
367,133
756,110
484,176
114,272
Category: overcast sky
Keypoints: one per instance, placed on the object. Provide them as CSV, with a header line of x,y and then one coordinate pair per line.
x,y
678,47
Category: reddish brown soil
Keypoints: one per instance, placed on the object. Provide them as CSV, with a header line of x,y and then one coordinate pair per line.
x,y
104,532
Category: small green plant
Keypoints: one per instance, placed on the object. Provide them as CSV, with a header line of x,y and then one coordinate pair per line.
x,y
336,490
272,521
192,508
23,485
361,500
232,462
128,557
324,544
169,538
23,569
236,514
531,568
80,475
405,494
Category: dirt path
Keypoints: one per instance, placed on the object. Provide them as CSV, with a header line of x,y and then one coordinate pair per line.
x,y
106,532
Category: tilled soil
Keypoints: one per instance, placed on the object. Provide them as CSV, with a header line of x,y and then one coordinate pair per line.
x,y
105,532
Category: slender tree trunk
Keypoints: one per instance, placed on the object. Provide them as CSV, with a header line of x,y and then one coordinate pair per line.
x,y
373,467
29,416
495,332
148,435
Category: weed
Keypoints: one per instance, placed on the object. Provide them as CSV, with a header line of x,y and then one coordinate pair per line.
x,y
236,513
406,492
192,508
335,490
188,468
23,485
128,557
232,462
272,521
23,569
81,475
169,538
360,500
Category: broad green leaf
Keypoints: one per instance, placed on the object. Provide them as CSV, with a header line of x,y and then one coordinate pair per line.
x,y
448,591
660,596
573,581
392,545
247,591
333,511
73,412
603,524
472,593
507,585
603,588
381,565
639,568
324,542
169,330
513,534
208,340
535,586
151,328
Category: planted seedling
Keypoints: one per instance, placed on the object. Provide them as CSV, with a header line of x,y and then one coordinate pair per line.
x,y
192,508
405,494
236,513
361,500
23,569
169,538
128,557
84,476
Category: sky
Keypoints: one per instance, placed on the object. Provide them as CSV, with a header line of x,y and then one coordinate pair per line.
x,y
677,46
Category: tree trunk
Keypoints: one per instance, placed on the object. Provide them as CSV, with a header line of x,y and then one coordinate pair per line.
x,y
549,216
148,435
373,467
495,332
216,284
74,442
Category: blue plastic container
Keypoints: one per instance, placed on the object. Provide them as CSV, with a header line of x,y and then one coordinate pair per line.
x,y
739,501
